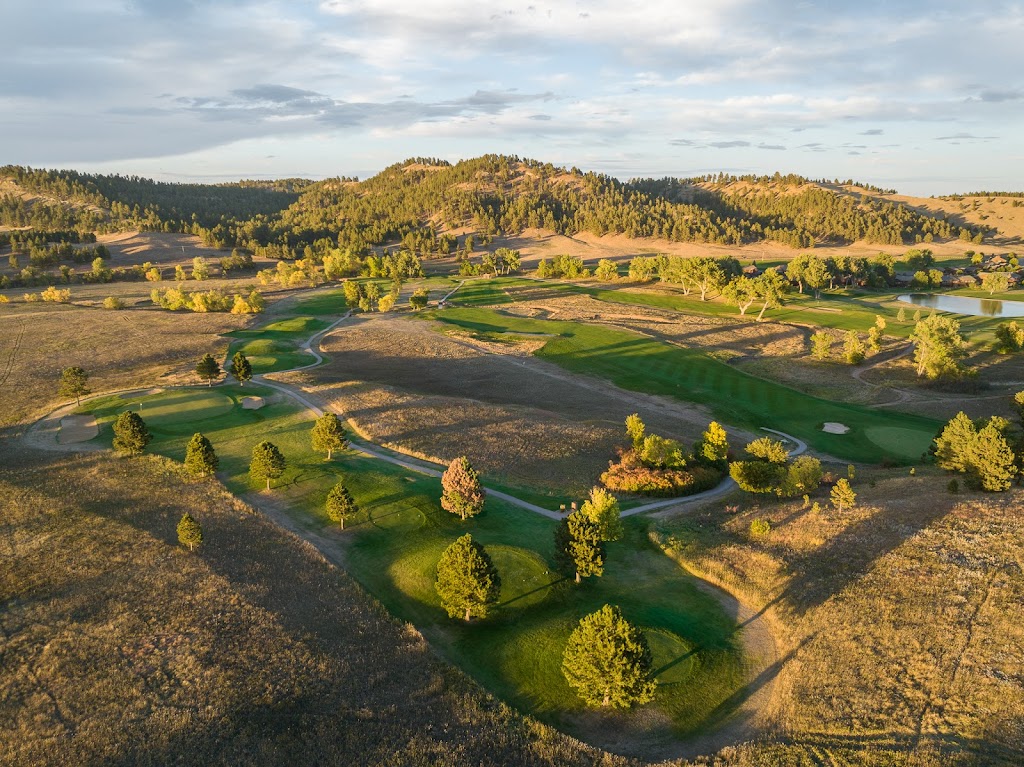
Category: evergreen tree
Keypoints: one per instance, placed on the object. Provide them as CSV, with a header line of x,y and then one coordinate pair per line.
x,y
130,433
821,345
901,315
602,509
418,300
842,494
853,348
328,435
74,382
240,368
1018,403
462,492
467,580
200,458
608,661
190,532
208,368
990,461
267,462
578,546
713,447
954,442
340,504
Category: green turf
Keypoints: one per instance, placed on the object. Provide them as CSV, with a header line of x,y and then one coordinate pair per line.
x,y
396,539
638,363
275,347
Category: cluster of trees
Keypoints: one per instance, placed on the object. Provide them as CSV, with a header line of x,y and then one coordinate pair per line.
x,y
654,465
768,469
501,261
1009,337
939,348
368,296
175,299
562,267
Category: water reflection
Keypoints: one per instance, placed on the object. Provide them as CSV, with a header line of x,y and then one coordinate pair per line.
x,y
973,307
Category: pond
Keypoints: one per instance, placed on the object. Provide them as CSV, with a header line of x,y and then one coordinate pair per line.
x,y
973,307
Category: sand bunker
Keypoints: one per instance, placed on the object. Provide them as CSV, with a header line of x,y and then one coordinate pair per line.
x,y
77,428
252,403
835,428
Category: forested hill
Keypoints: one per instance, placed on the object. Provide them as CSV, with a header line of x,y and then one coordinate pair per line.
x,y
422,201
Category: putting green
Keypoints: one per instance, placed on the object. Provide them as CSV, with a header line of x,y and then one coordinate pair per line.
x,y
525,577
392,517
674,659
414,574
182,410
910,443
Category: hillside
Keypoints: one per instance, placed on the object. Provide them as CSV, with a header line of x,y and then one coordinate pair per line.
x,y
429,206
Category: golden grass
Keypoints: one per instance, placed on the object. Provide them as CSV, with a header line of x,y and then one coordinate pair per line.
x,y
901,620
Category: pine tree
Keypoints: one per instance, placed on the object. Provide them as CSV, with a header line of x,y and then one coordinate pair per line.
x,y
990,461
608,661
853,348
208,368
74,382
130,433
190,532
842,494
578,546
340,504
954,443
602,509
821,345
462,492
200,459
467,581
328,435
901,315
241,368
267,462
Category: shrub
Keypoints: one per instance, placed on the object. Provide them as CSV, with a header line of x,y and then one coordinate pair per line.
x,y
631,476
953,487
760,528
113,302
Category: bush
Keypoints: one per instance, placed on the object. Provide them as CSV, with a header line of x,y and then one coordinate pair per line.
x,y
629,475
112,302
760,528
953,487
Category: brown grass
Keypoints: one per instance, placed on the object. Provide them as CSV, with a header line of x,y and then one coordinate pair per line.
x,y
900,620
522,420
121,647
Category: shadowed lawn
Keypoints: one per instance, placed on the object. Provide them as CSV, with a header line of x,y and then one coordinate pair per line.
x,y
639,363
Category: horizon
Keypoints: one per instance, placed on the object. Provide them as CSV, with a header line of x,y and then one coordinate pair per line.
x,y
189,90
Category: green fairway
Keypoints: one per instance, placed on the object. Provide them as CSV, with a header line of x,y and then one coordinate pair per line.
x,y
275,346
639,363
393,544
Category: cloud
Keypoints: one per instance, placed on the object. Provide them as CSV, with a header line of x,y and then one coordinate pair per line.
x,y
872,132
965,137
727,144
999,96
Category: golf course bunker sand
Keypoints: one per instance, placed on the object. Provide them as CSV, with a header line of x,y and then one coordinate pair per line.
x,y
833,427
77,428
252,403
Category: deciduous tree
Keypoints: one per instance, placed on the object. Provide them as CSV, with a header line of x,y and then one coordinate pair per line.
x,y
938,347
462,492
602,509
713,447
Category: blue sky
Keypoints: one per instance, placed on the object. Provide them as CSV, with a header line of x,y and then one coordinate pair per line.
x,y
925,97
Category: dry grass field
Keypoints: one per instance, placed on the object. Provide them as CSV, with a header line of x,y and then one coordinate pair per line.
x,y
120,647
405,384
900,620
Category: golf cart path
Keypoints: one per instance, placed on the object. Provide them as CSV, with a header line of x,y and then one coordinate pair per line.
x,y
760,648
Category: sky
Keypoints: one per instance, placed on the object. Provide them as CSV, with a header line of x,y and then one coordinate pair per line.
x,y
923,97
